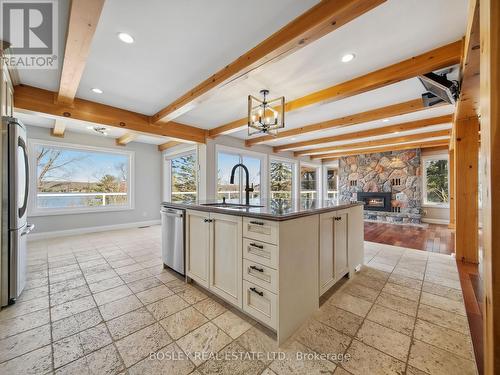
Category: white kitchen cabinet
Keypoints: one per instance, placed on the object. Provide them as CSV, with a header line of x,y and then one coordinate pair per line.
x,y
6,93
226,257
334,261
270,269
198,246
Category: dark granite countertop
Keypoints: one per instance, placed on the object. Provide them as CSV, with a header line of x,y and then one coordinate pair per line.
x,y
273,209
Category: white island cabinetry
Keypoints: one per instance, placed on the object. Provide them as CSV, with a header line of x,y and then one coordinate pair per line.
x,y
274,271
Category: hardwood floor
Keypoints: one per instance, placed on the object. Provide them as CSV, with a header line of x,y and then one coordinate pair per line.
x,y
438,238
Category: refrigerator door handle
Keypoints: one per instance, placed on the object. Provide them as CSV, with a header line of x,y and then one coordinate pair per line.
x,y
28,229
22,209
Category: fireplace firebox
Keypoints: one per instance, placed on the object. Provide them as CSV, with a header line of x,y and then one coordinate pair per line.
x,y
375,201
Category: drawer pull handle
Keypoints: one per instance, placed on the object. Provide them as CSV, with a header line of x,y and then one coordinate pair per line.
x,y
257,222
257,268
256,291
257,246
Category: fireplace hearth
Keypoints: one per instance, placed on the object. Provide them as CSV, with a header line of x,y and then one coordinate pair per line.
x,y
375,201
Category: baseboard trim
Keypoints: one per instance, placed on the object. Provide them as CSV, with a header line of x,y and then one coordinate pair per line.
x,y
103,228
436,221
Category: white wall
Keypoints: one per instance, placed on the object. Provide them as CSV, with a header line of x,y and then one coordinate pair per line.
x,y
147,186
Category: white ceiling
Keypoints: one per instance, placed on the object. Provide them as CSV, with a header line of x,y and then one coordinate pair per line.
x,y
394,31
179,43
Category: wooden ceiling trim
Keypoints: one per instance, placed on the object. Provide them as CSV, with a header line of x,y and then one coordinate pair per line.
x,y
83,18
386,141
43,101
468,103
323,18
438,58
405,126
386,130
126,138
167,145
358,118
408,146
58,128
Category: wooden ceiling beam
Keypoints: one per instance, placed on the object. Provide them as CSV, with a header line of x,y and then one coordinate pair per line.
x,y
468,102
167,145
405,126
438,58
358,118
83,19
126,139
408,146
58,128
43,101
323,18
386,141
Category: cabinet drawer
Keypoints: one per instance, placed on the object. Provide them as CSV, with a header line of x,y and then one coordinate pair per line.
x,y
260,303
260,275
261,230
260,252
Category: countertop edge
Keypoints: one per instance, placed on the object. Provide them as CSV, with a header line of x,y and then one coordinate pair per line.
x,y
257,215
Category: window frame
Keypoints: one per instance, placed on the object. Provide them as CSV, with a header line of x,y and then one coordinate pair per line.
x,y
295,174
167,168
325,179
424,159
242,153
33,209
319,182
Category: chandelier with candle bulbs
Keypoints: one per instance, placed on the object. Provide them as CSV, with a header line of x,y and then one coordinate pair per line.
x,y
265,115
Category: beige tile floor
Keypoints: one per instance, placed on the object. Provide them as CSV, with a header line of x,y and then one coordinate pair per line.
x,y
102,304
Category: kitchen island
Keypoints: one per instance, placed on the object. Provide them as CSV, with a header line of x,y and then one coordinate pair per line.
x,y
274,261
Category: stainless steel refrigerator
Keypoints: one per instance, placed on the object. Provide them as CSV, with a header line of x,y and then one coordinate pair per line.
x,y
15,186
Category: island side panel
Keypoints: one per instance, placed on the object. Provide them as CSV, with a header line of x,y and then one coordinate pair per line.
x,y
298,273
356,238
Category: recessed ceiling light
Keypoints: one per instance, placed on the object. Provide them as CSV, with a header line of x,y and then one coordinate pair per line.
x,y
348,57
126,38
385,120
96,90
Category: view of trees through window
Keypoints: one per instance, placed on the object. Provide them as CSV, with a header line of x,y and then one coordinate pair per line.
x,y
436,181
183,178
331,183
281,179
308,182
78,178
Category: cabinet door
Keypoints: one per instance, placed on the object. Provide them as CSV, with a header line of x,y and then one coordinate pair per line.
x,y
340,254
197,246
333,255
326,251
226,258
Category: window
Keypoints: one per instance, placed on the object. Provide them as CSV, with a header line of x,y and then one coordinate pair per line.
x,y
235,193
281,179
308,182
70,178
331,182
435,180
183,181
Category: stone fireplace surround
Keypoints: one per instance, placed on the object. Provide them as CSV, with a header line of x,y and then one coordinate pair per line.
x,y
397,172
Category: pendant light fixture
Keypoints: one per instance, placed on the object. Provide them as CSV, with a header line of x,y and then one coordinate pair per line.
x,y
264,115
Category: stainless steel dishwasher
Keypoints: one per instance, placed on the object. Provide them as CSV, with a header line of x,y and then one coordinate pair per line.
x,y
172,238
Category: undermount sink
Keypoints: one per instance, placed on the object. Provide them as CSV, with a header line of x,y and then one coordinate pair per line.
x,y
231,205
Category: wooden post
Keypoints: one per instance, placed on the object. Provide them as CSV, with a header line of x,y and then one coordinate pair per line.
x,y
451,168
466,189
490,179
